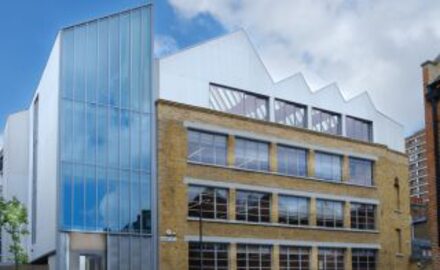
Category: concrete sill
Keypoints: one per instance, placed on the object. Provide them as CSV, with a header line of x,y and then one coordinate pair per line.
x,y
281,174
400,255
280,225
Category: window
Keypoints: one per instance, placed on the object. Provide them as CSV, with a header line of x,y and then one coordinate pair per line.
x,y
252,155
397,191
90,262
294,258
363,216
235,101
212,256
330,214
328,166
210,202
253,206
327,122
359,129
292,161
330,259
206,147
291,114
254,257
363,259
399,240
293,210
361,171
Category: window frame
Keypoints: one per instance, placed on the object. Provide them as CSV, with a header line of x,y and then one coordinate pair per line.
x,y
364,121
243,216
215,213
215,156
298,213
294,148
296,105
356,223
247,161
324,253
320,176
217,249
321,218
247,256
356,259
357,182
245,93
286,254
339,127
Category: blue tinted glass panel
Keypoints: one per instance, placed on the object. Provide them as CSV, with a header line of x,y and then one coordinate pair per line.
x,y
90,210
103,62
91,134
67,63
114,61
92,62
79,81
113,139
78,198
105,124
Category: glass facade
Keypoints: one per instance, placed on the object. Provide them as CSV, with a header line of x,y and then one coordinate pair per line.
x,y
106,127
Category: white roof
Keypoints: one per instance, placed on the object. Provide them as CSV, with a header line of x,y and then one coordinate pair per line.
x,y
232,60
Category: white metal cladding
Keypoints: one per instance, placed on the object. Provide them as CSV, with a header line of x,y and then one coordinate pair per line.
x,y
231,61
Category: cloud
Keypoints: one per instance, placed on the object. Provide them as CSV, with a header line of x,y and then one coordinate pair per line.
x,y
164,45
375,46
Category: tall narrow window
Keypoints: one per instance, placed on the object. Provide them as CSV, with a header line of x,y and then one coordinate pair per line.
x,y
212,256
293,210
330,259
35,168
328,166
363,259
292,161
209,202
291,114
359,129
254,257
207,147
230,100
251,154
397,191
1,162
361,171
253,206
399,240
327,122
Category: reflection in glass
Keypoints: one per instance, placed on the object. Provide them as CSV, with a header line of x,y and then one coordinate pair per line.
x,y
106,135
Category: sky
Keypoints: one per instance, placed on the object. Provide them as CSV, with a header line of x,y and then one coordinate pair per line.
x,y
375,46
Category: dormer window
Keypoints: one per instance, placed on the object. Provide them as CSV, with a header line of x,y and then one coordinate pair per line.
x,y
359,129
326,122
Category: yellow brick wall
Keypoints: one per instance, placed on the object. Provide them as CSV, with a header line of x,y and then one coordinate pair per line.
x,y
173,168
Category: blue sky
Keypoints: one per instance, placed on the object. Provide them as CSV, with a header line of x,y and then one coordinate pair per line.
x,y
28,29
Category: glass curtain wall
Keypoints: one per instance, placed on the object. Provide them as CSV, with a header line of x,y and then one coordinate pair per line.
x,y
105,122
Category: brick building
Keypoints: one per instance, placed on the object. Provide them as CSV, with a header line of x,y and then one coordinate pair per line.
x,y
416,151
282,177
431,87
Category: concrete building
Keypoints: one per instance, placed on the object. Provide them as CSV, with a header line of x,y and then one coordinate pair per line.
x,y
80,157
251,173
416,150
281,176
